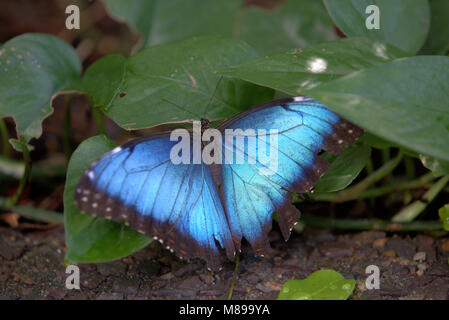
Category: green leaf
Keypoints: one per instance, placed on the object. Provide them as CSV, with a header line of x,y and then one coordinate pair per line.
x,y
344,169
173,83
88,238
404,24
161,21
33,67
376,142
293,24
320,285
297,70
438,39
103,79
444,216
438,167
403,101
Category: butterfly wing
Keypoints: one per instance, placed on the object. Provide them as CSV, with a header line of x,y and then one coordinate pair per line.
x,y
178,205
252,192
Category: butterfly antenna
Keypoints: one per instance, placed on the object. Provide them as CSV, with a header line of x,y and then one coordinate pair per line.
x,y
182,109
212,97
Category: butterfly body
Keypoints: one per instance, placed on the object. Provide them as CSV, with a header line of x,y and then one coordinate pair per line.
x,y
195,208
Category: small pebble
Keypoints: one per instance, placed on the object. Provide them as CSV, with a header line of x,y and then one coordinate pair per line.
x,y
445,246
167,276
419,256
389,253
336,249
207,278
380,243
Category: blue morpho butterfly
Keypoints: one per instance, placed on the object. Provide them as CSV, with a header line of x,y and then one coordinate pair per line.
x,y
191,208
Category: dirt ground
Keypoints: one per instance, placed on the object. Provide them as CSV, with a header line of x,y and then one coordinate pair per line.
x,y
32,267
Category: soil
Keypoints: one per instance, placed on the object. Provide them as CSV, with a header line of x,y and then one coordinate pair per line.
x,y
32,267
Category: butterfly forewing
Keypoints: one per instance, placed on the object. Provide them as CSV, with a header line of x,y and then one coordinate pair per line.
x,y
178,205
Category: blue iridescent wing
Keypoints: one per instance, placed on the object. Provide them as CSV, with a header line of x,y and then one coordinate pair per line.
x,y
178,205
250,195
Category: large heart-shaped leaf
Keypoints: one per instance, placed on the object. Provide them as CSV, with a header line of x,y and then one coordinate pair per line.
x,y
404,24
293,24
173,83
320,285
296,70
438,40
404,101
162,21
33,67
88,238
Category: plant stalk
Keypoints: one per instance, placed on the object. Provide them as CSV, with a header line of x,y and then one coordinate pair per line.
x,y
11,201
353,192
33,213
410,212
4,139
234,278
370,224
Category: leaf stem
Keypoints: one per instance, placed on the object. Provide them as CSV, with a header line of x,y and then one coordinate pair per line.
x,y
234,278
15,169
33,213
422,181
67,128
99,121
410,212
410,169
353,192
11,201
4,139
386,156
370,224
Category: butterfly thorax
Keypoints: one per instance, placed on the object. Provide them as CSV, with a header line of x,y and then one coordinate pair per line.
x,y
205,124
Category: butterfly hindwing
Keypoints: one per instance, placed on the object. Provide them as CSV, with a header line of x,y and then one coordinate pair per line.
x,y
176,204
250,195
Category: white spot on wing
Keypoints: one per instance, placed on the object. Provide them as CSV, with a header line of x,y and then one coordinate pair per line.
x,y
298,99
91,175
116,149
